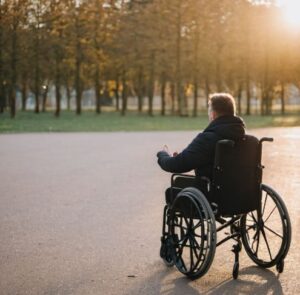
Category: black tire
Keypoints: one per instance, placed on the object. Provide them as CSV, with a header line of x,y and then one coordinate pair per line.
x,y
193,231
280,266
267,240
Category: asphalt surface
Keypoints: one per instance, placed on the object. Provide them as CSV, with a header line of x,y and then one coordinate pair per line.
x,y
81,213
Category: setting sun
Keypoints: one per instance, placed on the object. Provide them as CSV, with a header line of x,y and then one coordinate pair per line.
x,y
291,11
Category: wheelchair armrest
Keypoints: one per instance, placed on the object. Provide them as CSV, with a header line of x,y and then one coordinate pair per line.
x,y
178,176
188,176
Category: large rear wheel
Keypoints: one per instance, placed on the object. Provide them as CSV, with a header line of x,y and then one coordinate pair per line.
x,y
267,236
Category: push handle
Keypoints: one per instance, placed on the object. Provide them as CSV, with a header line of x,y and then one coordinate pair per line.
x,y
270,139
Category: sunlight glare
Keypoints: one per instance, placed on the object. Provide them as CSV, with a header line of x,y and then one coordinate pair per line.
x,y
291,12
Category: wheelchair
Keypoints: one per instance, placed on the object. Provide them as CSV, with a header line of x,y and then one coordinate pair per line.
x,y
235,199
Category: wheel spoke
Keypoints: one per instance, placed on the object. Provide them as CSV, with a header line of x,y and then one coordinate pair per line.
x,y
253,217
265,238
191,254
195,251
197,224
182,262
179,253
181,226
266,197
187,222
270,214
255,239
278,235
257,245
250,227
183,241
197,244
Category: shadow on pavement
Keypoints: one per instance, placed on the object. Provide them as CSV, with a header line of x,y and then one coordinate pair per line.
x,y
252,280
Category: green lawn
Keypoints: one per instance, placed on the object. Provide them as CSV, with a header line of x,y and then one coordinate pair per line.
x,y
111,121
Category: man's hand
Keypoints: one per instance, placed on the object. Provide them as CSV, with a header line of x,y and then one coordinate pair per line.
x,y
166,149
166,153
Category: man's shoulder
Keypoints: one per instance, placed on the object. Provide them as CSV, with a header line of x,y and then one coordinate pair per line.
x,y
207,134
208,137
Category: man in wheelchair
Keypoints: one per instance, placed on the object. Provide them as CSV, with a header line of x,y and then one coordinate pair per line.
x,y
199,154
227,188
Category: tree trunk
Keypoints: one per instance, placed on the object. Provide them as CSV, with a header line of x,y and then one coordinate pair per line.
x,y
97,91
24,92
2,86
219,68
173,97
13,79
195,106
270,102
37,69
57,98
37,79
45,96
139,88
2,97
97,16
178,60
124,94
78,95
151,85
37,95
207,90
218,74
12,101
262,101
196,69
239,95
185,100
57,85
248,94
282,98
68,96
163,93
117,93
78,86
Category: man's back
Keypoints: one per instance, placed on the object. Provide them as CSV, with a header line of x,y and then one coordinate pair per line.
x,y
199,154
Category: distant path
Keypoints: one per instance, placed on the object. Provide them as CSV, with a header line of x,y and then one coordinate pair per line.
x,y
79,213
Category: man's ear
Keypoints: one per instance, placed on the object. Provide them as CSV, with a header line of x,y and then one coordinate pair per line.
x,y
214,115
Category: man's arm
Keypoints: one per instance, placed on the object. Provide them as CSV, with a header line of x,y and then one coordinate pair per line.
x,y
194,156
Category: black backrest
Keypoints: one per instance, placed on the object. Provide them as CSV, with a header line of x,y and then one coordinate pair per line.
x,y
237,176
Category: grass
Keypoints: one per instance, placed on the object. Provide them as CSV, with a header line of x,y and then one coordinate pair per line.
x,y
110,121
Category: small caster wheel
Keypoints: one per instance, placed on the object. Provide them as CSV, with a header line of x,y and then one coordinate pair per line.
x,y
235,272
280,266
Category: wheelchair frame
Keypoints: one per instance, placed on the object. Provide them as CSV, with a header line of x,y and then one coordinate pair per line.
x,y
179,230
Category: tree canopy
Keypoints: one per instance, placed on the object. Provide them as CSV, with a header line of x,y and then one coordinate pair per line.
x,y
177,48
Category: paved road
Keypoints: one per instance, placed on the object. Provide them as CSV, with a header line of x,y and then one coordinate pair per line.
x,y
81,214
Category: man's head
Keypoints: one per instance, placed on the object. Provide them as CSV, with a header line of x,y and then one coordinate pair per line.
x,y
220,104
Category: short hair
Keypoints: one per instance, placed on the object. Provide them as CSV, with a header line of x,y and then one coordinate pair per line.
x,y
222,103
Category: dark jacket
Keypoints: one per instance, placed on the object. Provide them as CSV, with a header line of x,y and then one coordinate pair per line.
x,y
199,154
